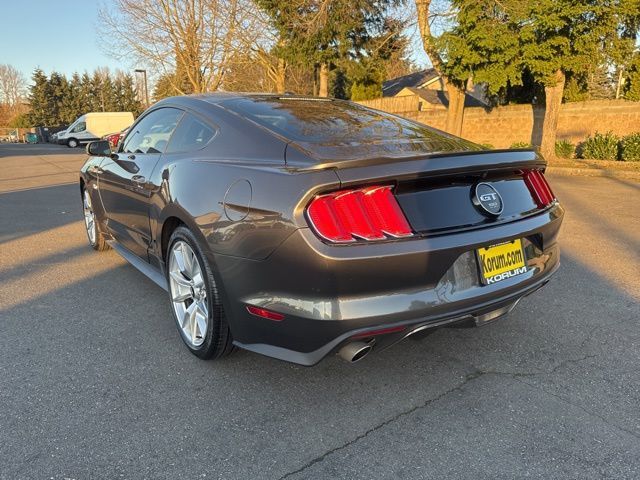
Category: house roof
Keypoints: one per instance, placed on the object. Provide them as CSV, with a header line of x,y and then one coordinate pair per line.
x,y
417,79
440,97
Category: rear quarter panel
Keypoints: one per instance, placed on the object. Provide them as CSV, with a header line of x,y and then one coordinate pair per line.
x,y
242,209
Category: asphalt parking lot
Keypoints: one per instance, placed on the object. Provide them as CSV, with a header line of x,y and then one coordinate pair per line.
x,y
95,381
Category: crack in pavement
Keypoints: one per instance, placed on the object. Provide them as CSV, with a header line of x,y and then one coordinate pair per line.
x,y
475,373
559,366
468,378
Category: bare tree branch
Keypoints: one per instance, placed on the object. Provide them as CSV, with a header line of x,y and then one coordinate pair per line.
x,y
190,41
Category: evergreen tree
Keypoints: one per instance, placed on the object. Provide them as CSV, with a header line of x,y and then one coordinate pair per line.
x,y
561,37
383,44
58,101
554,40
58,86
41,100
73,105
576,88
86,95
109,94
631,89
325,35
97,99
599,85
165,87
127,96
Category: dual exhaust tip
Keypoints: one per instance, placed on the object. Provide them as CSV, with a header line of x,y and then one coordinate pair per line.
x,y
354,351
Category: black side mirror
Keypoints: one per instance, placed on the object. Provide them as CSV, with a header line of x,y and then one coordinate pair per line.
x,y
101,148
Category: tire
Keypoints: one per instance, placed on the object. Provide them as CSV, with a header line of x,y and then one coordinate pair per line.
x,y
92,227
195,298
72,143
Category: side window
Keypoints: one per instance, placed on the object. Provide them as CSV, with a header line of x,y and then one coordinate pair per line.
x,y
152,133
191,135
81,127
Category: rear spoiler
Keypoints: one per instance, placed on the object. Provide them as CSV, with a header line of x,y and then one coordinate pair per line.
x,y
432,164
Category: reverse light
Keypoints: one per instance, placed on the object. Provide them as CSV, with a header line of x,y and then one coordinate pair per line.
x,y
370,213
539,188
264,313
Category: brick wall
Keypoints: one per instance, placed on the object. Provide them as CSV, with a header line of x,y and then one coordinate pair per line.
x,y
503,126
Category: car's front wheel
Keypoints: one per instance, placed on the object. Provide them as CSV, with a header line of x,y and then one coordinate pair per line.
x,y
195,299
72,143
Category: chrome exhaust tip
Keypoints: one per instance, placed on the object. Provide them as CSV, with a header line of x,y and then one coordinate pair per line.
x,y
354,351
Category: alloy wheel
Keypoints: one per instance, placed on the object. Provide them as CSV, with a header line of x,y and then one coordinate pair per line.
x,y
89,217
188,293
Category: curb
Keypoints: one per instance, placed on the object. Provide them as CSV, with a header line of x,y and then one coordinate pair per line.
x,y
593,172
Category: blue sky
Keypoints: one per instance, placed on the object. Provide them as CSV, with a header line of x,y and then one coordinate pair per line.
x,y
53,35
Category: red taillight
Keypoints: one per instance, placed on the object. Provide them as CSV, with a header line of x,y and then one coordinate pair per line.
x,y
113,139
264,313
539,188
370,213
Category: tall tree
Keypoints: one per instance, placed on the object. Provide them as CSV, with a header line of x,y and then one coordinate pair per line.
x,y
497,43
59,91
73,105
190,42
41,100
323,33
127,96
454,85
560,37
57,101
631,85
383,47
12,86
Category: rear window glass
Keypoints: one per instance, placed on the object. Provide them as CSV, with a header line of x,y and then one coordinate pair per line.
x,y
191,134
335,123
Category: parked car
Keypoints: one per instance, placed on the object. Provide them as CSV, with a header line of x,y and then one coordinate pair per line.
x,y
92,126
295,227
114,138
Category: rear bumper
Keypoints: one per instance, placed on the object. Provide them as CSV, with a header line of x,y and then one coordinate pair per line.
x,y
329,294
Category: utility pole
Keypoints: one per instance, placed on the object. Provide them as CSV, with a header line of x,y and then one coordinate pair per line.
x,y
146,86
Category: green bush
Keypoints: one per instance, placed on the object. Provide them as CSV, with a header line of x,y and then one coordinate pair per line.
x,y
365,91
630,148
564,149
488,146
602,146
520,145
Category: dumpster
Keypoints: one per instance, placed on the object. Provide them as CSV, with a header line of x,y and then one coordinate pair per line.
x,y
31,138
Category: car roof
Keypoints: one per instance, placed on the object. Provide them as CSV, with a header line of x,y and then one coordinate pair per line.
x,y
218,97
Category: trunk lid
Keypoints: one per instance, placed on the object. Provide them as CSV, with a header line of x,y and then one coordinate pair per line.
x,y
438,193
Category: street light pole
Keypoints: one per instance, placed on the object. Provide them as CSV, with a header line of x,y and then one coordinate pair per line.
x,y
146,86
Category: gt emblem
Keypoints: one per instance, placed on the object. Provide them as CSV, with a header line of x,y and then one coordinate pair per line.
x,y
487,199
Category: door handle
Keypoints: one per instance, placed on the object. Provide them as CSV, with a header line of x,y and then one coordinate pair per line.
x,y
139,179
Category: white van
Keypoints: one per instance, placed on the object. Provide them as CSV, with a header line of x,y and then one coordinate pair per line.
x,y
92,126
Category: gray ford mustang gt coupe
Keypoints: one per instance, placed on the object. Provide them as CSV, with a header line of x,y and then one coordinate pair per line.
x,y
295,227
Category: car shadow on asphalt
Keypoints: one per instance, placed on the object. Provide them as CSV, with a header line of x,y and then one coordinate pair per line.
x,y
38,209
38,149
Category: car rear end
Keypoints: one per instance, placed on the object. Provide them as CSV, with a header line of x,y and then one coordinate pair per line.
x,y
399,245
